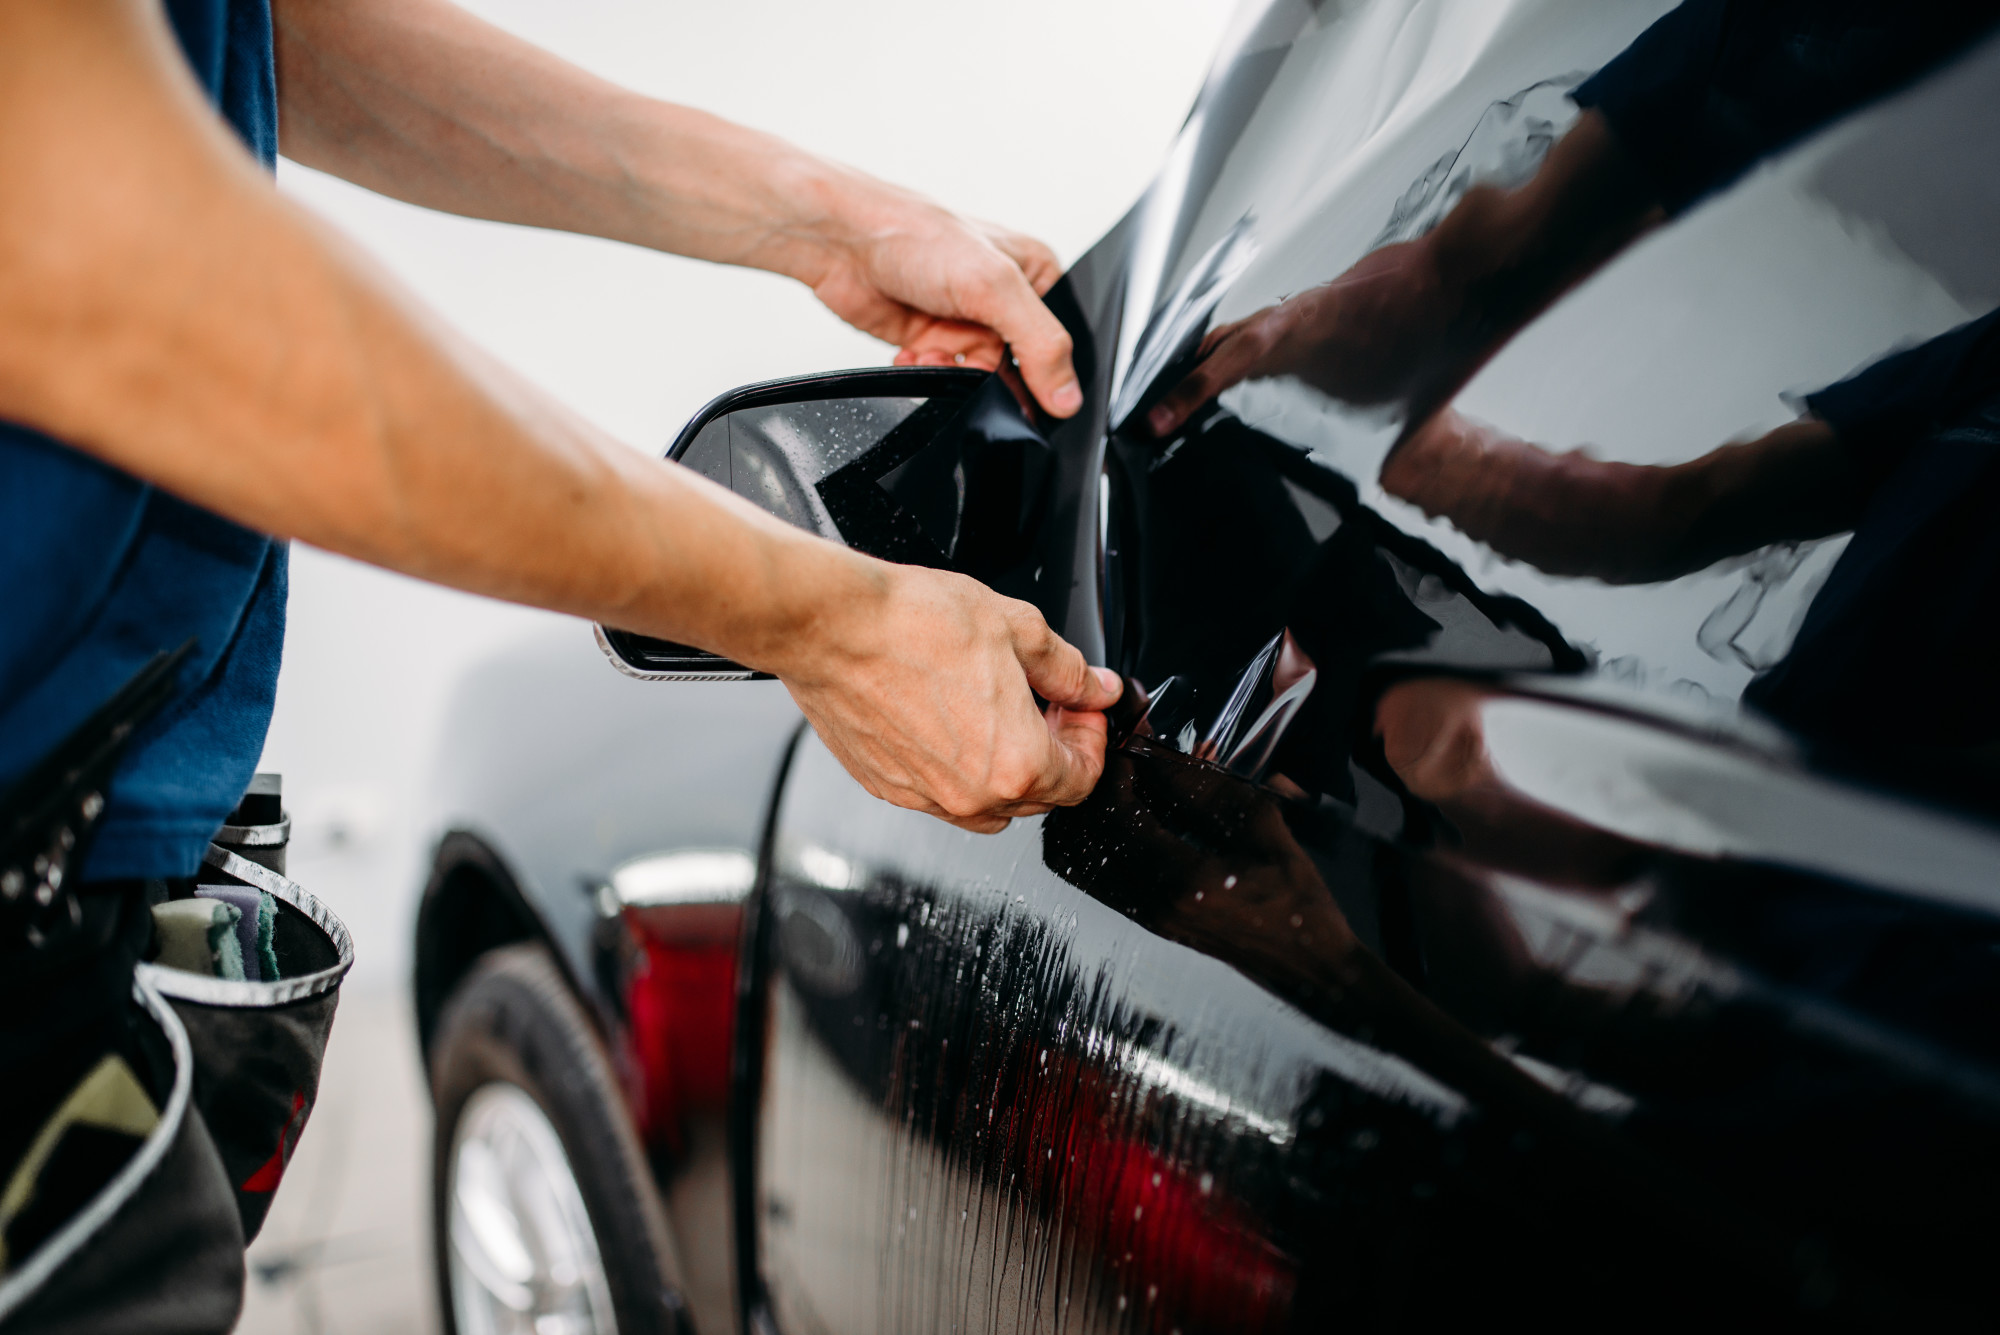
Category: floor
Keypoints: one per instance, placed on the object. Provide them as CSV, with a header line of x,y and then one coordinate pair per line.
x,y
346,1247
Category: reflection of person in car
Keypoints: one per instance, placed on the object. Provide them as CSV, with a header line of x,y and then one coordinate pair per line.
x,y
1572,514
1698,99
1212,862
1902,454
1434,739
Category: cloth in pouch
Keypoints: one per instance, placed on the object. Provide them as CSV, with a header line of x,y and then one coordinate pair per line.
x,y
158,1248
254,928
258,1045
200,936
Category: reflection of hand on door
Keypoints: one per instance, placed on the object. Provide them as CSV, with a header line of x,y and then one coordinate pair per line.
x,y
1571,514
1359,337
1208,860
1412,321
1434,739
1204,858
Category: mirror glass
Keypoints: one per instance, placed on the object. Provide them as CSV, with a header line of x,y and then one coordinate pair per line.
x,y
775,456
934,467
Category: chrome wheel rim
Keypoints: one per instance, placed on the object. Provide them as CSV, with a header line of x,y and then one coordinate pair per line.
x,y
523,1257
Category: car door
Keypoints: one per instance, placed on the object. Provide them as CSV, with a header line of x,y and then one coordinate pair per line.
x,y
1447,940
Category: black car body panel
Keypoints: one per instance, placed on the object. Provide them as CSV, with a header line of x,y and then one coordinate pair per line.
x,y
1678,1013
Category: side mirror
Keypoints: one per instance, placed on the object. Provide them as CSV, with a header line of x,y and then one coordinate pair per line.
x,y
924,466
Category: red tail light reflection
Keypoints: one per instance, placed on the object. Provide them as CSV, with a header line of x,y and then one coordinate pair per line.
x,y
1179,1249
680,1009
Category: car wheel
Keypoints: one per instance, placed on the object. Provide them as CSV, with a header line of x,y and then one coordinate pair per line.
x,y
544,1215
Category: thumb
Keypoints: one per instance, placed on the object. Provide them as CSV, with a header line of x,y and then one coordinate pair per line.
x,y
1056,669
1041,345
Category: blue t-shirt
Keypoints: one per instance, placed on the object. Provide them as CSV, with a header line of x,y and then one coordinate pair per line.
x,y
102,571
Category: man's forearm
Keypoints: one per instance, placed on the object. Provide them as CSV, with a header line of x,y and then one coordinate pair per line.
x,y
423,101
167,311
163,308
420,100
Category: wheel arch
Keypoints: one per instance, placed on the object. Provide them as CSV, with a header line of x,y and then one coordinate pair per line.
x,y
472,904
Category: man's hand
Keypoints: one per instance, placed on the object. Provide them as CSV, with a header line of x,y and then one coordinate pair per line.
x,y
423,101
169,313
925,690
944,289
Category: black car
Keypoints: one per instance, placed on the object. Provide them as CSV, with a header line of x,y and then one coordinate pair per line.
x,y
1569,895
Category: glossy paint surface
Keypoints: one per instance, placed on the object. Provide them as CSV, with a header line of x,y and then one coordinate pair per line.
x,y
1540,878
1467,927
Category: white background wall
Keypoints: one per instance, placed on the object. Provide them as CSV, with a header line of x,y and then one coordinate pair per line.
x,y
1046,115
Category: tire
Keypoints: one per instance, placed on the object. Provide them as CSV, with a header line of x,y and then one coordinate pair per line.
x,y
511,1029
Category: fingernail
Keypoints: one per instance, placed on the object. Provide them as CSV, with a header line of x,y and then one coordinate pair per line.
x,y
1161,419
1110,680
1066,400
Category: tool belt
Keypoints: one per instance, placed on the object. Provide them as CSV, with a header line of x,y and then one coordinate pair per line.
x,y
128,1196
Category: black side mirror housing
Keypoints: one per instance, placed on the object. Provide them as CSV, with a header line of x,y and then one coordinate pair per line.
x,y
933,466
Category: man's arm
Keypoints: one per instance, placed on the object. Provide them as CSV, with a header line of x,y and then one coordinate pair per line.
x,y
163,308
420,100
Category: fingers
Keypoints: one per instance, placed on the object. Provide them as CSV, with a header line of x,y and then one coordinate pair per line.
x,y
985,822
952,343
1005,301
933,284
1058,769
934,709
1056,670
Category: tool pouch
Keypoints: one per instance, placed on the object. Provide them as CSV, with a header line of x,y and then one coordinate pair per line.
x,y
258,1045
158,1249
129,1206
